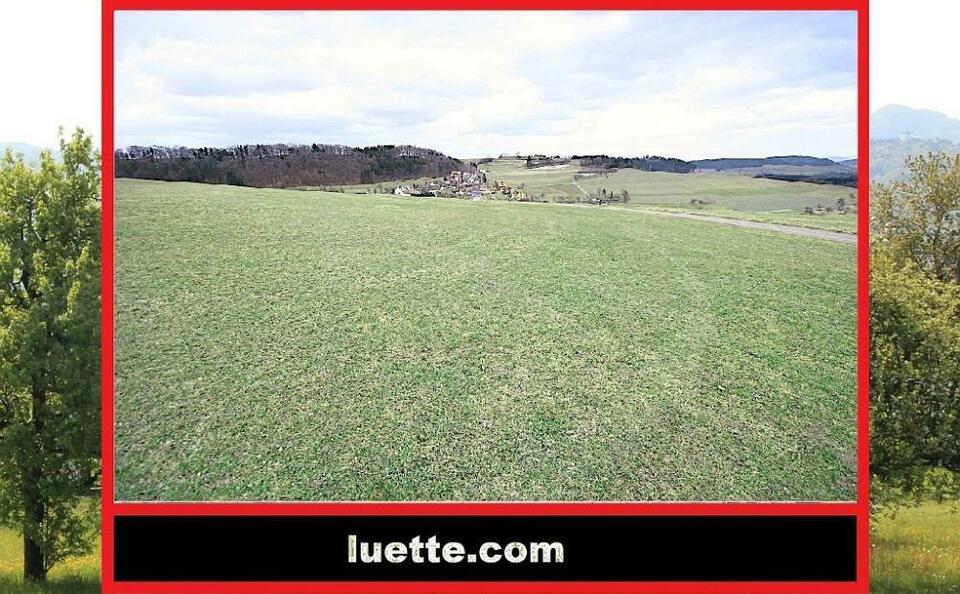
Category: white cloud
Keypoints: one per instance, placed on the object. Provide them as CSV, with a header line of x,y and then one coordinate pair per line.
x,y
471,84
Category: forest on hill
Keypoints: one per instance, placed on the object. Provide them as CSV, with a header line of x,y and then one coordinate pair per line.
x,y
787,168
816,170
791,160
646,163
323,165
284,165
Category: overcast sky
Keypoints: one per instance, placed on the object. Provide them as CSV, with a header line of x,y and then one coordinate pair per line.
x,y
472,84
50,69
912,54
523,77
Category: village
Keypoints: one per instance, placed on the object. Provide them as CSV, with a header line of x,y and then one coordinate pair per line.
x,y
463,184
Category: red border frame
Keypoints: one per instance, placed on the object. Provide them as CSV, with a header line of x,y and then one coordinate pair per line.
x,y
860,508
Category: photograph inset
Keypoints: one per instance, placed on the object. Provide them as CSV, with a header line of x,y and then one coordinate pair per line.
x,y
486,256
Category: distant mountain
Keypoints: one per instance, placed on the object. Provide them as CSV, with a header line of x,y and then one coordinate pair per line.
x,y
900,121
283,165
30,152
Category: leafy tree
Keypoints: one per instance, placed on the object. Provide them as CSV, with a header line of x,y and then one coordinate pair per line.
x,y
915,370
915,324
918,219
49,349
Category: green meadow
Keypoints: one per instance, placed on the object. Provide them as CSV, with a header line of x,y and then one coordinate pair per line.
x,y
75,575
917,551
845,223
278,344
724,194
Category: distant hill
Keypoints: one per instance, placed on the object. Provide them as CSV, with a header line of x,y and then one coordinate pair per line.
x,y
888,156
900,121
284,165
794,160
836,174
319,165
30,152
645,163
898,131
786,168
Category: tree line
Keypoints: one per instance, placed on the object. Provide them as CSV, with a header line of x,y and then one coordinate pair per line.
x,y
645,163
283,165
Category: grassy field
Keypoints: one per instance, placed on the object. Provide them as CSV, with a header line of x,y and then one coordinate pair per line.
x,y
829,222
310,346
80,575
917,551
551,182
728,194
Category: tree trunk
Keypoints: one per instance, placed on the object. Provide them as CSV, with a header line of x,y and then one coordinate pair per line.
x,y
34,565
34,560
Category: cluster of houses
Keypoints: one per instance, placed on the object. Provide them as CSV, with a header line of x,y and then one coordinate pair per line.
x,y
462,184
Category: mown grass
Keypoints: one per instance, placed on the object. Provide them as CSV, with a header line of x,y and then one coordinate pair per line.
x,y
550,182
75,575
917,551
276,344
830,222
728,194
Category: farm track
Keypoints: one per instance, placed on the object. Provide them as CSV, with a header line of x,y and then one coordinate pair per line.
x,y
784,229
579,187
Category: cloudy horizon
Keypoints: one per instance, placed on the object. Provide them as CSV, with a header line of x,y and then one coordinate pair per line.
x,y
907,55
51,70
683,84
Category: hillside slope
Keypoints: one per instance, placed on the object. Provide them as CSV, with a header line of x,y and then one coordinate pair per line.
x,y
283,165
274,344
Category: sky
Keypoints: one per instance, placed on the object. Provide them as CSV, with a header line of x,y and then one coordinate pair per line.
x,y
51,69
690,85
51,52
912,48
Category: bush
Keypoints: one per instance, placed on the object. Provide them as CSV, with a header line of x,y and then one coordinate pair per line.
x,y
915,371
940,484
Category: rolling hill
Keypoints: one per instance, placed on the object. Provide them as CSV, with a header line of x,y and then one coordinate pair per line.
x,y
897,132
750,163
277,344
30,152
284,165
900,121
723,193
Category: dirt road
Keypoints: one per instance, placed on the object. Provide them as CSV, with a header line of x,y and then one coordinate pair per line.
x,y
848,238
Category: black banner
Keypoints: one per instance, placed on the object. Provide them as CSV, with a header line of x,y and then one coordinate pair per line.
x,y
593,548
